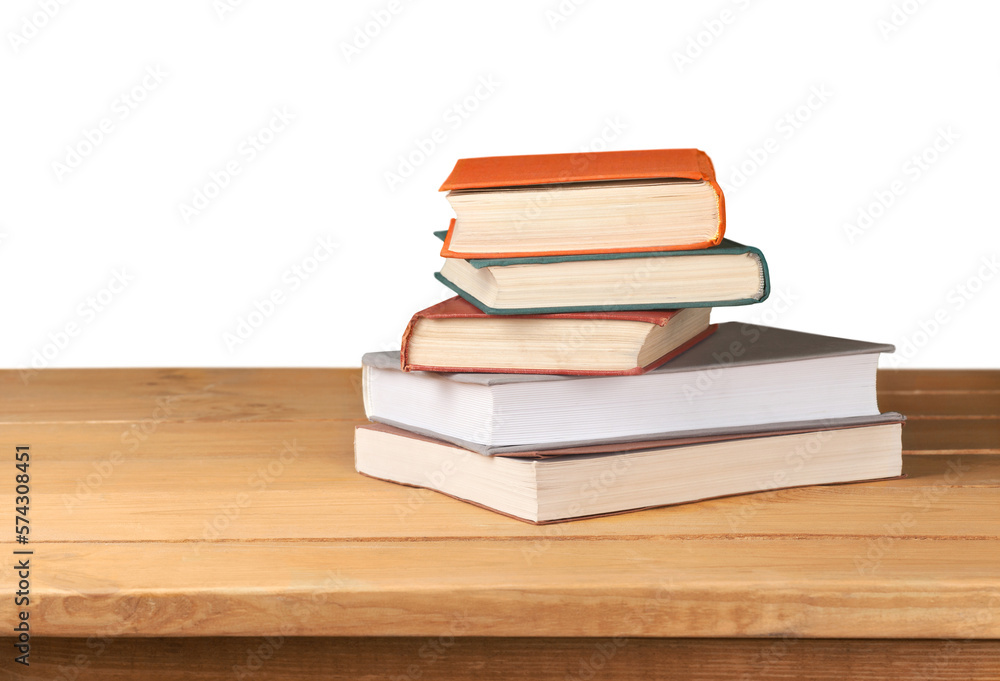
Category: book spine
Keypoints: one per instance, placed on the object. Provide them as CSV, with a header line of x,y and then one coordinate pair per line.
x,y
708,174
403,364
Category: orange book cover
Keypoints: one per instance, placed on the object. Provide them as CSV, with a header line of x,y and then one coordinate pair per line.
x,y
540,169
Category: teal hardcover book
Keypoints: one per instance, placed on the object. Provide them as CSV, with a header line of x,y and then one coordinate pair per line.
x,y
723,275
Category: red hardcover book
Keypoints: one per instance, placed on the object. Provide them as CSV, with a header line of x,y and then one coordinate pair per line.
x,y
456,336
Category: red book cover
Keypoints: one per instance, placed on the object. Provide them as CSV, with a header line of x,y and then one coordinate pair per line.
x,y
460,308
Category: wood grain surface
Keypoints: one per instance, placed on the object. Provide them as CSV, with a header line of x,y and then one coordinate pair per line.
x,y
208,503
448,658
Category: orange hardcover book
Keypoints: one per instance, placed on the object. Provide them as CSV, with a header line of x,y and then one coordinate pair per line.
x,y
581,203
456,336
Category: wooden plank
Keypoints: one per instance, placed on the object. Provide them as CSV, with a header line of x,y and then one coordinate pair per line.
x,y
166,439
123,395
278,516
937,405
952,436
275,480
383,511
135,395
938,380
170,440
96,442
660,588
303,466
446,658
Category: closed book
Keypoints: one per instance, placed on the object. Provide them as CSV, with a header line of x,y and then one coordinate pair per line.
x,y
456,336
604,202
719,276
558,485
740,376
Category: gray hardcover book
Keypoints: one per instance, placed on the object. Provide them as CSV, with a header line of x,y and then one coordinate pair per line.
x,y
744,378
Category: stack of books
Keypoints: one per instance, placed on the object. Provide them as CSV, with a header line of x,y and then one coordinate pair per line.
x,y
577,373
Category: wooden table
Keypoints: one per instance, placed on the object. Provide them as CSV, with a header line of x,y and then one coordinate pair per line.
x,y
207,524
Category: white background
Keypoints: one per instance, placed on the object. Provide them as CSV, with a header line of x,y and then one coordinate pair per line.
x,y
896,77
